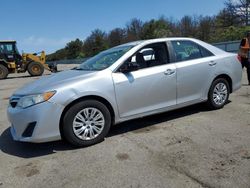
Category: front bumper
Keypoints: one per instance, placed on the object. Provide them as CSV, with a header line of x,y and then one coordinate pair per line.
x,y
46,116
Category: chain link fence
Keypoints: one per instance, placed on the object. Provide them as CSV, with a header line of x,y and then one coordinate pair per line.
x,y
230,46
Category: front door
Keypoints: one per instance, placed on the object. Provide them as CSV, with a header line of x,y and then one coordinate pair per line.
x,y
151,87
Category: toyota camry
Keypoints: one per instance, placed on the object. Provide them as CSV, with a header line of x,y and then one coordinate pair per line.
x,y
129,81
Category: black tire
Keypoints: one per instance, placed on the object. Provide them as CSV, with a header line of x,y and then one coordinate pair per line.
x,y
212,104
69,118
3,72
35,69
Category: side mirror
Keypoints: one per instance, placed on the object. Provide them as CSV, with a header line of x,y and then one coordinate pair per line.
x,y
129,67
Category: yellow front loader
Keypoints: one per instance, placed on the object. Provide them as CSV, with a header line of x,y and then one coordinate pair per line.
x,y
11,61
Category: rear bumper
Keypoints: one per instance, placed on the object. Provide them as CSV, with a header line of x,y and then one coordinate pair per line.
x,y
236,86
236,75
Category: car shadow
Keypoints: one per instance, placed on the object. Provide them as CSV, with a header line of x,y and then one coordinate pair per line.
x,y
30,150
149,121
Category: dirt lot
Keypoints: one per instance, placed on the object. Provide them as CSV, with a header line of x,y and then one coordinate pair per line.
x,y
191,147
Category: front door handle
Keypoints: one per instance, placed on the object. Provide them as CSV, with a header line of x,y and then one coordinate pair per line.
x,y
212,63
169,72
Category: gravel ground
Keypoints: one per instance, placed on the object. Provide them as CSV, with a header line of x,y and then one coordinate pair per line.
x,y
190,147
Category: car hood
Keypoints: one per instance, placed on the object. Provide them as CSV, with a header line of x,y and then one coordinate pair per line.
x,y
52,81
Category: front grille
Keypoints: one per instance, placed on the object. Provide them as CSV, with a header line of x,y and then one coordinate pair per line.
x,y
13,101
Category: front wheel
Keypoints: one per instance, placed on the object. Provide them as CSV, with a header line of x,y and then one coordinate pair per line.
x,y
35,69
86,123
218,93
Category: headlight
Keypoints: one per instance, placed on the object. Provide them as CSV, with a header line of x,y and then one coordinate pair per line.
x,y
31,100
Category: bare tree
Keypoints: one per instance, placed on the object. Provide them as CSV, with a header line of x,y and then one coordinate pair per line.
x,y
95,43
134,29
205,28
116,37
188,26
240,8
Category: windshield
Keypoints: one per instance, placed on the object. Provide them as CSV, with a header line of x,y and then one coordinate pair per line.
x,y
104,59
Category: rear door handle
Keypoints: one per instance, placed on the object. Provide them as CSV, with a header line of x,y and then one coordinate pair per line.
x,y
169,72
212,63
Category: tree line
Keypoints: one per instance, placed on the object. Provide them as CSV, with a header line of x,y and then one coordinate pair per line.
x,y
231,23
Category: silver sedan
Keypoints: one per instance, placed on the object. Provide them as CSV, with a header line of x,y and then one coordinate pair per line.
x,y
125,82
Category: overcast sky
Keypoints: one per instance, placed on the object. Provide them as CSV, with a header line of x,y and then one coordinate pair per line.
x,y
49,24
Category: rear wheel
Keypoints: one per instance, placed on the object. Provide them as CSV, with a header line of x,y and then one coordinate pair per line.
x,y
3,72
86,123
218,93
35,69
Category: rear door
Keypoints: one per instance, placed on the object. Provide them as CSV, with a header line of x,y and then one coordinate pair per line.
x,y
195,66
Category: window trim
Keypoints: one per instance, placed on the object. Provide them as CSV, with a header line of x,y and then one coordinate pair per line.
x,y
167,53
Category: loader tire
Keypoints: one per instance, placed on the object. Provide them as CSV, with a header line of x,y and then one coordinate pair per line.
x,y
3,72
35,69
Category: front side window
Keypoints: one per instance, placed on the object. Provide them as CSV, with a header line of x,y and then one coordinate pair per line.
x,y
149,56
104,59
6,48
188,50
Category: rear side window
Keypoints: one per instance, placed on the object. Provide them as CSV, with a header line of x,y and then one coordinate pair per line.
x,y
188,50
205,52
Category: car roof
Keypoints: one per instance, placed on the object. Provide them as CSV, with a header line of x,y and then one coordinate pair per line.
x,y
135,43
208,46
164,39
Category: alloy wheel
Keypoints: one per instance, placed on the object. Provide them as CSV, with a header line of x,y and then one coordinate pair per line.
x,y
220,93
88,123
